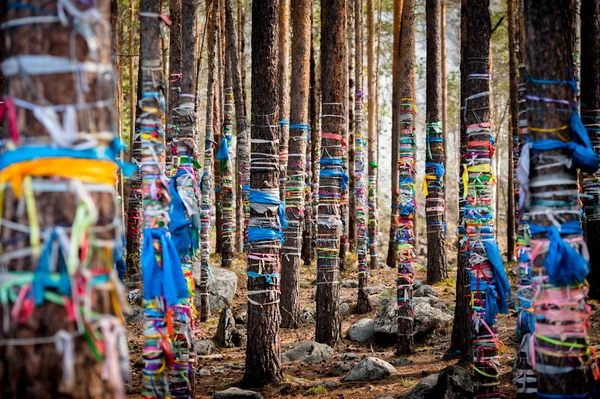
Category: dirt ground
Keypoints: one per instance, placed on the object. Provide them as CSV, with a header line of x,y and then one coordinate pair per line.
x,y
227,367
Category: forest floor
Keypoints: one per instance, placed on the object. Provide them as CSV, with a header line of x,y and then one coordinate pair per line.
x,y
301,379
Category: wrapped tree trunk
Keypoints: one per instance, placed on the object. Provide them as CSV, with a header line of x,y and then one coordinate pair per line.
x,y
404,239
433,185
392,254
284,91
513,134
267,215
372,136
344,208
175,73
590,115
548,184
360,168
489,284
461,340
185,198
350,95
296,165
332,176
60,230
242,148
206,186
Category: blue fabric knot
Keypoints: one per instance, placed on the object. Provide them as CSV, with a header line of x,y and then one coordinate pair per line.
x,y
183,234
260,197
268,277
42,278
167,280
331,161
223,152
500,278
439,169
336,173
264,234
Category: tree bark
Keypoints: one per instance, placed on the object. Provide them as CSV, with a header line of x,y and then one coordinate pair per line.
x,y
294,198
435,203
217,130
513,131
372,135
590,115
57,252
332,176
561,318
351,46
284,91
264,232
404,239
344,208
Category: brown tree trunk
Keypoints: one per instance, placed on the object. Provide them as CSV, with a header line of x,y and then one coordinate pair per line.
x,y
372,135
294,198
69,227
264,232
175,73
212,12
242,58
217,130
435,203
332,175
447,148
344,208
558,343
351,46
284,91
405,235
392,254
513,133
590,115
461,340
363,304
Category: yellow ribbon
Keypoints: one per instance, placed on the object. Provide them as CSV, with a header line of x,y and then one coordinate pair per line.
x,y
484,168
428,177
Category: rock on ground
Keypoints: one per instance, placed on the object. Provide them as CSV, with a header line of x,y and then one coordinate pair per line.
x,y
236,393
362,331
308,352
428,318
370,369
425,290
135,314
227,335
221,287
308,315
385,330
349,284
204,347
454,382
423,389
344,309
375,289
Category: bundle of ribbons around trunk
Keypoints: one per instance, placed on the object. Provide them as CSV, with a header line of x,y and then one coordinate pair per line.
x,y
489,284
433,182
547,173
63,156
405,233
360,189
226,170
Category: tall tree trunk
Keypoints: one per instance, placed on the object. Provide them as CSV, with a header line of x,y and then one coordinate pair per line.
x,y
561,316
217,131
392,254
489,285
242,149
447,148
344,196
242,61
175,73
225,156
461,340
404,238
351,46
360,168
513,133
590,114
433,185
264,232
59,244
212,12
284,91
294,198
332,176
372,135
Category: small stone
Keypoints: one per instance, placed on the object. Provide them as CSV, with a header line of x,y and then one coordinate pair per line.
x,y
351,356
340,368
228,335
425,290
241,318
205,347
236,393
454,382
349,284
423,389
204,373
362,331
309,315
222,287
370,369
135,314
403,361
308,352
344,309
417,284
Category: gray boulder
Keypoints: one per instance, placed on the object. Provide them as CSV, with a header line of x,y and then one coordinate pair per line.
x,y
428,318
362,331
454,382
308,352
349,284
385,330
204,347
423,389
134,315
236,393
308,315
344,309
425,290
221,287
433,302
417,284
370,369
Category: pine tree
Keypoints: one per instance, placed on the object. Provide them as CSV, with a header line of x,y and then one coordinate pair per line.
x,y
284,91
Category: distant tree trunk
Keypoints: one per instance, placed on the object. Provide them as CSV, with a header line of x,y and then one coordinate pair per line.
x,y
392,254
351,46
242,60
561,318
264,233
590,114
217,131
58,246
435,203
372,135
405,235
294,198
242,149
360,168
284,91
447,148
513,133
208,170
332,176
175,71
344,208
